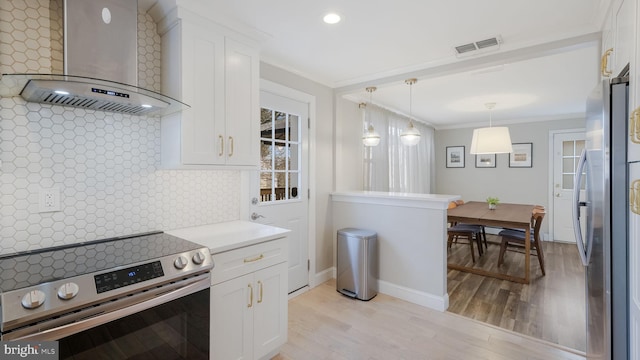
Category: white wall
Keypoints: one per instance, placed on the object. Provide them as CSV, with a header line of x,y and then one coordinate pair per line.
x,y
349,148
411,232
323,156
523,185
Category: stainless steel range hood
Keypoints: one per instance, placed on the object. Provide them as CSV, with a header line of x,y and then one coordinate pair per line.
x,y
100,64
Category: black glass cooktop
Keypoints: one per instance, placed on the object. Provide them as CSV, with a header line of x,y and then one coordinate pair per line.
x,y
30,268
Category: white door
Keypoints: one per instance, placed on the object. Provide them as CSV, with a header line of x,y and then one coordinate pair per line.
x,y
280,187
566,153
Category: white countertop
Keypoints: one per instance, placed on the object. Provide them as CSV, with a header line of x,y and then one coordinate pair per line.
x,y
229,235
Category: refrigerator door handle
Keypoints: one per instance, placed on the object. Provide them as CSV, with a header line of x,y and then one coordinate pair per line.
x,y
576,208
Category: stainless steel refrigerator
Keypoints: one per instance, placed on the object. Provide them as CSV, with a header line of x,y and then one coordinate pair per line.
x,y
603,243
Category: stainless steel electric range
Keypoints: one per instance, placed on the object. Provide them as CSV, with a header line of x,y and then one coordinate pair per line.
x,y
142,296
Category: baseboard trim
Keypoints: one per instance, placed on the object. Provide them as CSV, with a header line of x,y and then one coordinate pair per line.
x,y
299,292
323,276
440,303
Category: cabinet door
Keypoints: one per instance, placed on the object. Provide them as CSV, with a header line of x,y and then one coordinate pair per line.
x,y
607,46
624,12
232,304
203,88
634,261
241,104
270,313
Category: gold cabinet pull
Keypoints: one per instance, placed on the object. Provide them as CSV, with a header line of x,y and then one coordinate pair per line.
x,y
604,63
259,292
250,304
634,197
259,257
221,139
634,126
230,145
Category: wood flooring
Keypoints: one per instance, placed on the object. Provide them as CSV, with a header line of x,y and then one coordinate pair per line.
x,y
551,308
324,324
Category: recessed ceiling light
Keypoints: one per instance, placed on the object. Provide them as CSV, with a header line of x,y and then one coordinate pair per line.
x,y
332,18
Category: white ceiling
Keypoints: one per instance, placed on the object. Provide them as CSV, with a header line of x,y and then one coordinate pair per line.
x,y
545,67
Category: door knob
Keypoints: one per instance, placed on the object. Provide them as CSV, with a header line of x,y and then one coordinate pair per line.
x,y
255,216
557,194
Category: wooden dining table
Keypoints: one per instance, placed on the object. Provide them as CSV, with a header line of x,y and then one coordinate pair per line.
x,y
513,216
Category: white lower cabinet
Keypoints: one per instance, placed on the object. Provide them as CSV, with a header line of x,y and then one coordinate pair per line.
x,y
249,311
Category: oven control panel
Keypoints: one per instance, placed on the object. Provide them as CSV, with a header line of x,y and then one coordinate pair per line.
x,y
129,276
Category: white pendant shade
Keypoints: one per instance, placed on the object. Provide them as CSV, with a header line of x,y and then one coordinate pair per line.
x,y
410,136
491,140
371,137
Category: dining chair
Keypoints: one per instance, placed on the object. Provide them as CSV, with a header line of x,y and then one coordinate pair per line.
x,y
513,240
483,234
467,231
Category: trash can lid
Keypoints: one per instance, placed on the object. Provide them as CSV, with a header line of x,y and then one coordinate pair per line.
x,y
357,232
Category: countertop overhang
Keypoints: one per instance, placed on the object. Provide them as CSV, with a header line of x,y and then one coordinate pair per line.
x,y
230,235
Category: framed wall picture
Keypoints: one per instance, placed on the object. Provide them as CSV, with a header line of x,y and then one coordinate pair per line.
x,y
486,161
522,155
455,156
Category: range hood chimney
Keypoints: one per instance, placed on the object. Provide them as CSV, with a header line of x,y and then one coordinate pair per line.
x,y
100,67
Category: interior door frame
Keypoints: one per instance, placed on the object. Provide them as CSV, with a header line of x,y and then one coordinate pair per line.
x,y
550,195
245,194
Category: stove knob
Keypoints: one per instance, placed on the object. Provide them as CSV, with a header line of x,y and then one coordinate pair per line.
x,y
180,262
68,291
33,299
198,258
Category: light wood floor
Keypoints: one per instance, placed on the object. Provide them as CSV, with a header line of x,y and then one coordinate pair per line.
x,y
551,308
324,324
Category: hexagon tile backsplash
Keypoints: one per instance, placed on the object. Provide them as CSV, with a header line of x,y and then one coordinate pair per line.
x,y
106,167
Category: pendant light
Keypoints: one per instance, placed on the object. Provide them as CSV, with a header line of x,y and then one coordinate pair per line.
x,y
410,136
370,136
491,140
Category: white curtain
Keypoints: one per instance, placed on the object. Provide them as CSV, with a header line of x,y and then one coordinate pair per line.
x,y
392,166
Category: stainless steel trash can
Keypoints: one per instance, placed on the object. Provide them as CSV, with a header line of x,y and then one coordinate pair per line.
x,y
357,274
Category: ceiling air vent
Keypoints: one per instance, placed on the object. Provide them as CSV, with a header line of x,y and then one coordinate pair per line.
x,y
479,47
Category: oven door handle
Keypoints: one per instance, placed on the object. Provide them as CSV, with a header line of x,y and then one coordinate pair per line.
x,y
81,325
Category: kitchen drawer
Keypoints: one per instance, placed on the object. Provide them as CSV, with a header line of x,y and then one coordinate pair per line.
x,y
233,263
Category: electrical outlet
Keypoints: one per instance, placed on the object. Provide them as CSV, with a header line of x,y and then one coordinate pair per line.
x,y
49,200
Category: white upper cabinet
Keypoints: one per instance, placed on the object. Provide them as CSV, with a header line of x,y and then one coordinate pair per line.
x,y
216,72
618,37
241,104
624,13
607,46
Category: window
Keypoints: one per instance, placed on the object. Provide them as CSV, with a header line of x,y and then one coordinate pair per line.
x,y
571,151
279,155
